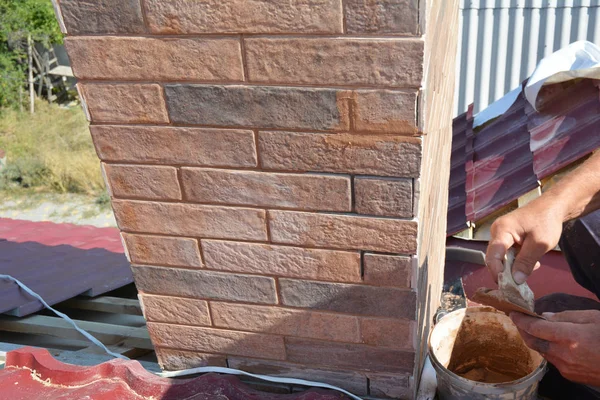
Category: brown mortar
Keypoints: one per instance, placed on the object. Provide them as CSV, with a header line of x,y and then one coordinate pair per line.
x,y
487,353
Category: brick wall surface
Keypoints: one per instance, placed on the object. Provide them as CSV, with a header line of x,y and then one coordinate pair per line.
x,y
278,170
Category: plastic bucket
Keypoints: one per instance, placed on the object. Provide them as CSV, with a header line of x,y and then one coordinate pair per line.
x,y
478,354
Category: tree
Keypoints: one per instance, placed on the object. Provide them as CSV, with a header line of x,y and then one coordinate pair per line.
x,y
20,19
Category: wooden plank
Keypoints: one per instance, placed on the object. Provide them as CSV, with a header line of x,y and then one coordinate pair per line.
x,y
115,305
106,333
530,196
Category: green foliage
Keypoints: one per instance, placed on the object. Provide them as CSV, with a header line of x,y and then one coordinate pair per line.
x,y
50,150
20,19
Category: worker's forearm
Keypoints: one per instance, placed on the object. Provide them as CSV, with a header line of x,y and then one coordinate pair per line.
x,y
578,193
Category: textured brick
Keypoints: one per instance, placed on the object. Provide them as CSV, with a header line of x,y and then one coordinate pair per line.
x,y
143,182
136,103
175,310
336,61
298,191
209,340
397,386
192,146
288,322
190,220
353,382
352,356
178,360
204,284
382,16
393,333
342,153
161,250
102,16
241,16
385,270
138,58
351,299
258,106
386,111
343,232
385,197
293,262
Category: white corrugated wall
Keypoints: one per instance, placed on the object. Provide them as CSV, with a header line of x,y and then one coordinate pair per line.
x,y
502,41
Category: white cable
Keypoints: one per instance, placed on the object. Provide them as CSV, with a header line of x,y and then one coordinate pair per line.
x,y
221,370
63,316
173,374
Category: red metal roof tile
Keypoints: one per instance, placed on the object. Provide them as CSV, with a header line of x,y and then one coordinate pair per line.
x,y
33,374
505,158
58,261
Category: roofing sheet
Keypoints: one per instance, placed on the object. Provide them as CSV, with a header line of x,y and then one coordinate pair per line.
x,y
33,374
509,155
58,261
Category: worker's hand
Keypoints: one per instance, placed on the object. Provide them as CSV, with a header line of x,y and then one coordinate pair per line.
x,y
535,229
570,340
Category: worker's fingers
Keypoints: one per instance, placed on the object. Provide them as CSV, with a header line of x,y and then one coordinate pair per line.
x,y
499,244
542,329
527,258
540,345
576,317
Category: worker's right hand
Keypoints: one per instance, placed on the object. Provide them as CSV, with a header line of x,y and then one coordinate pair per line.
x,y
534,229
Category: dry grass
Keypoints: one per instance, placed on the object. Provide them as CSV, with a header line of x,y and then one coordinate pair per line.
x,y
49,150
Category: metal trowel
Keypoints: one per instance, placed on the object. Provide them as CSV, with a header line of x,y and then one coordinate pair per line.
x,y
509,296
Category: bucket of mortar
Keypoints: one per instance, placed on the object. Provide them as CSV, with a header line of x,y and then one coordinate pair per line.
x,y
478,353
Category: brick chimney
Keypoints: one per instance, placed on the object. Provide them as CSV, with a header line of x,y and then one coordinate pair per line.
x,y
279,170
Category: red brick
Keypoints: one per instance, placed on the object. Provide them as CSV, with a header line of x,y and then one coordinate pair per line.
x,y
354,382
263,189
178,360
384,197
240,16
268,107
102,16
341,153
343,232
208,340
392,386
175,310
204,284
287,322
350,356
393,333
163,251
336,61
190,220
386,111
139,58
349,299
191,146
293,262
143,182
382,16
383,270
131,103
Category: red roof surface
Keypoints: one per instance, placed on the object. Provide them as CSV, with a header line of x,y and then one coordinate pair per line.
x,y
33,374
505,158
58,261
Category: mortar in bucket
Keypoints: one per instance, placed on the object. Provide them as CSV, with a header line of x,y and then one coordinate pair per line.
x,y
478,353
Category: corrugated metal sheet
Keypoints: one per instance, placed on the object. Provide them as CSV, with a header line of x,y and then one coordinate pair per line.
x,y
58,261
33,374
503,40
507,157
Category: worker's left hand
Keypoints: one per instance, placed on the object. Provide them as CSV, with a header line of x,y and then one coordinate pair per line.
x,y
569,340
